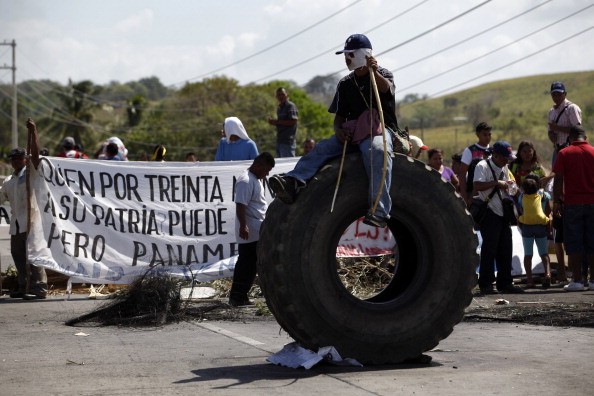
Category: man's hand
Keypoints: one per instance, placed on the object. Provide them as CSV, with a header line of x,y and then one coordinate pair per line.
x,y
552,135
553,127
502,185
371,63
34,141
557,209
244,232
344,135
31,127
272,121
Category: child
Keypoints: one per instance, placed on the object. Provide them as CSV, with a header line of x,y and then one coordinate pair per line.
x,y
534,221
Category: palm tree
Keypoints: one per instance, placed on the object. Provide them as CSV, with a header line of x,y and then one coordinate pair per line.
x,y
75,115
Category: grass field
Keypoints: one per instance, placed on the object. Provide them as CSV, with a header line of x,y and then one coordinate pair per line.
x,y
516,108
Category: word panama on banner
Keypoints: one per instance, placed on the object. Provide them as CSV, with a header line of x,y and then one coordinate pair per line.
x,y
110,221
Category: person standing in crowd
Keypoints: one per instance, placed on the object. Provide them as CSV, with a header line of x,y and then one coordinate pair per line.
x,y
470,157
250,209
308,145
573,193
534,220
562,116
191,157
352,128
416,146
495,229
456,163
527,162
435,160
70,151
14,190
159,153
236,145
111,152
122,153
286,124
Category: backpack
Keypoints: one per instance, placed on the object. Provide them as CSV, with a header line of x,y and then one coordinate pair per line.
x,y
478,154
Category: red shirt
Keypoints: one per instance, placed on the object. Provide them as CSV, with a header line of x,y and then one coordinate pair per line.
x,y
576,164
72,154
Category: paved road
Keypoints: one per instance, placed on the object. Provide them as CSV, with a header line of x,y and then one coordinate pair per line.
x,y
40,355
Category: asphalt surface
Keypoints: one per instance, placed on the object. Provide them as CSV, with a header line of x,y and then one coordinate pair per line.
x,y
40,355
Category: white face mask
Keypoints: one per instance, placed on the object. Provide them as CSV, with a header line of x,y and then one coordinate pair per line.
x,y
359,59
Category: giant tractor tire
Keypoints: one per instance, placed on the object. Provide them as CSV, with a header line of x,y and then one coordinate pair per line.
x,y
430,285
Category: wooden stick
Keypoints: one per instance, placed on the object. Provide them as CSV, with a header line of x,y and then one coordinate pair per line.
x,y
344,146
385,167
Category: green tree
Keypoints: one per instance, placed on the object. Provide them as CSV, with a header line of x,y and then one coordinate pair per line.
x,y
135,110
191,119
74,116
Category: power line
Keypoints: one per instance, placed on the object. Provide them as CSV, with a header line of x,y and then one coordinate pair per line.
x,y
427,31
435,28
511,63
495,50
338,45
470,37
271,46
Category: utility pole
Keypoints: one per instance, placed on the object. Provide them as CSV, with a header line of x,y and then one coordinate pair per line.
x,y
15,135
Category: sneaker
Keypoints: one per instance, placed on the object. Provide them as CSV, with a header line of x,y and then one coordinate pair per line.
x,y
575,286
17,294
285,188
511,289
375,221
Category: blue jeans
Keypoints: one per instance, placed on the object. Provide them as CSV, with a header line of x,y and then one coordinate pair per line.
x,y
373,158
285,150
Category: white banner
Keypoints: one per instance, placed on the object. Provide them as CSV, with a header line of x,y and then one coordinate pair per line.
x,y
109,221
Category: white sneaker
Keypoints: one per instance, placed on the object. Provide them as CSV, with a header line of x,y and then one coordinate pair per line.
x,y
575,286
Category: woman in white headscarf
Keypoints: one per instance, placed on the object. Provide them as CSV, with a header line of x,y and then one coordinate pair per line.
x,y
236,145
122,150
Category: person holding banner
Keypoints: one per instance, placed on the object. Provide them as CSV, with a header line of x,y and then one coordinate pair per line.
x,y
32,280
250,209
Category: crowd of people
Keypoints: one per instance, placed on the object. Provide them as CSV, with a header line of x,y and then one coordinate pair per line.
x,y
558,205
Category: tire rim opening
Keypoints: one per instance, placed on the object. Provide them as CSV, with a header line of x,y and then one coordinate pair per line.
x,y
366,260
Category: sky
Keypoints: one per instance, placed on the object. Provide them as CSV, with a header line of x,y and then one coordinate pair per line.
x,y
256,41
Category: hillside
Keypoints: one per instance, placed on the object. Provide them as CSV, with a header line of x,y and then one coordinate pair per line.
x,y
145,113
517,109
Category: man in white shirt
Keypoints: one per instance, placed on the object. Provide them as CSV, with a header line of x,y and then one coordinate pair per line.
x,y
562,116
250,210
495,229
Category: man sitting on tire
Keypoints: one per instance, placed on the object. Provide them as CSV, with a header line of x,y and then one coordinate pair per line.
x,y
356,119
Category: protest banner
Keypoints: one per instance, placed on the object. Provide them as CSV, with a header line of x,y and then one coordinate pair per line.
x,y
110,221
